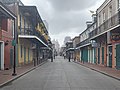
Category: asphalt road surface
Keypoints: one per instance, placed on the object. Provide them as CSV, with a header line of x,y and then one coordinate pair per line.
x,y
63,75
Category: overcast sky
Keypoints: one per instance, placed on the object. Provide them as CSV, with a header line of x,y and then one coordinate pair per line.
x,y
65,17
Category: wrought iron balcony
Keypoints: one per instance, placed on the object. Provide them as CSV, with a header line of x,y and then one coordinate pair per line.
x,y
30,31
26,31
108,24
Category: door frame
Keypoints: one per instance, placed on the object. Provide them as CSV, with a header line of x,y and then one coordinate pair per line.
x,y
116,57
108,55
103,55
2,55
98,54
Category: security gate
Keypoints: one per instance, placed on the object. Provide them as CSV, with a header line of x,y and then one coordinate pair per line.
x,y
118,56
110,55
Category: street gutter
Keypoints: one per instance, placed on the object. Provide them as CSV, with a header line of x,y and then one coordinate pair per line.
x,y
102,72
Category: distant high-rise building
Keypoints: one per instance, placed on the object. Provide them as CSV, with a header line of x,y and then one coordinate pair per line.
x,y
67,38
57,45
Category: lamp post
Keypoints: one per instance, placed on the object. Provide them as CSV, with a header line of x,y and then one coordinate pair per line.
x,y
14,44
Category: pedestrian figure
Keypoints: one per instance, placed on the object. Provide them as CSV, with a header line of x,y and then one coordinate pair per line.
x,y
64,56
69,57
54,56
51,56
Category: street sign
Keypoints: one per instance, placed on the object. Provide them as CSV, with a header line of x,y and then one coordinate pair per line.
x,y
13,43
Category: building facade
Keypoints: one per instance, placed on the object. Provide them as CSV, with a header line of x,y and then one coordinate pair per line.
x,y
76,55
107,34
69,49
7,24
31,33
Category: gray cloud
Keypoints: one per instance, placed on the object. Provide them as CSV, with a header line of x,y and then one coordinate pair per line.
x,y
68,5
68,21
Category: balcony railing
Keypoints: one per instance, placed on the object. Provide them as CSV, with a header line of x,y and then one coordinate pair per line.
x,y
83,42
108,24
30,31
26,31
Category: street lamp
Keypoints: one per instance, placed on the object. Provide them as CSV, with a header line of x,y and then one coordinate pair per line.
x,y
14,44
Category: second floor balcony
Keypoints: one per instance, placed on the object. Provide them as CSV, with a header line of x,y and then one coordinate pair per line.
x,y
83,43
32,32
108,25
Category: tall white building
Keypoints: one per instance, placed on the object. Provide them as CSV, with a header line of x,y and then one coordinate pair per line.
x,y
67,38
57,45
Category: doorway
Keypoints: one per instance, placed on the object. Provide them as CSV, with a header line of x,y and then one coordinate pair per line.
x,y
110,56
118,56
11,57
98,55
102,55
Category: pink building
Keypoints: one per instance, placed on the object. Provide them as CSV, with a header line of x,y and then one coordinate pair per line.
x,y
6,36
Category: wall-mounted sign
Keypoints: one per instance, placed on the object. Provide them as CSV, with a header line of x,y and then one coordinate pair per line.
x,y
13,43
115,36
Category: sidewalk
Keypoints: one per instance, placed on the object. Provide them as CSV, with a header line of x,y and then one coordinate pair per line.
x,y
6,75
102,69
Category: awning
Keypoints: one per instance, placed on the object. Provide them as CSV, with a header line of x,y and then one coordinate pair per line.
x,y
70,49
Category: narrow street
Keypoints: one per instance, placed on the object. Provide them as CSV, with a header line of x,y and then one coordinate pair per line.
x,y
63,75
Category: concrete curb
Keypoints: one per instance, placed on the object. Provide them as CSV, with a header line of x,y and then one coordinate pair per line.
x,y
22,74
117,78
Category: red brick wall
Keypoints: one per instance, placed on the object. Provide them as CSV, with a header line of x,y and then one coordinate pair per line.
x,y
7,36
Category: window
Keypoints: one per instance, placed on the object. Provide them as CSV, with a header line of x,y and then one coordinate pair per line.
x,y
4,24
103,16
99,20
20,23
110,11
24,26
12,28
